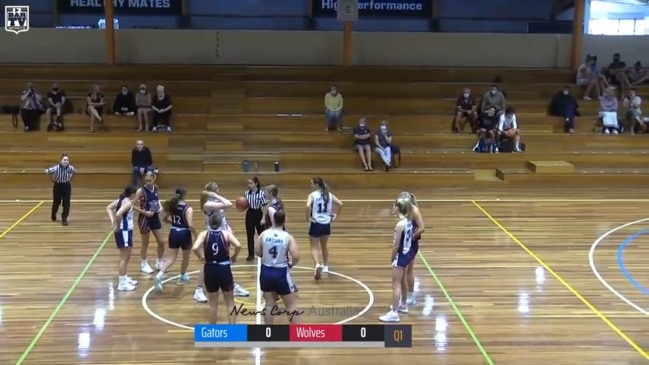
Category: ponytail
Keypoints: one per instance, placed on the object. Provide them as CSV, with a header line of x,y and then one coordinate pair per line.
x,y
128,191
205,196
171,205
324,189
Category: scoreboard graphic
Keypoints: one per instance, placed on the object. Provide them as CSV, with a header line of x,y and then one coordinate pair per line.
x,y
303,335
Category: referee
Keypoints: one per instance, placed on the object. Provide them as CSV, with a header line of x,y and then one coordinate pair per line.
x,y
61,175
254,215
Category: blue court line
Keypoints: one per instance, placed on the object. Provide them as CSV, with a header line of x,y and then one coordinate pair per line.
x,y
620,259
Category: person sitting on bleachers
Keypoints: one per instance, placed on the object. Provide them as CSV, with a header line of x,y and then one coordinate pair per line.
x,y
633,114
143,104
615,74
333,110
588,77
608,107
56,99
124,103
487,124
465,110
142,161
508,133
31,108
362,144
493,99
388,152
637,75
565,105
95,106
162,109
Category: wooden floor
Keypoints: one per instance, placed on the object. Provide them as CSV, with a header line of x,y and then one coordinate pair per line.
x,y
506,279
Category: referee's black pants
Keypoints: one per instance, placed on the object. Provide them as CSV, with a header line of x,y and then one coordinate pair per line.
x,y
61,193
253,222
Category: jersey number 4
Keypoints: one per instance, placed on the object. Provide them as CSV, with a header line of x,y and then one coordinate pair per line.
x,y
273,251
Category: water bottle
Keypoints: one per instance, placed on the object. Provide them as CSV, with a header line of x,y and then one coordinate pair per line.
x,y
246,166
276,166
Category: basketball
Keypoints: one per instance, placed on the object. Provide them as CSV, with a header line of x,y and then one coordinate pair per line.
x,y
241,203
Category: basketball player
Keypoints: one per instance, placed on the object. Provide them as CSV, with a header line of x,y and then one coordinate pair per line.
x,y
213,249
274,247
409,280
121,219
320,212
180,215
275,205
213,203
149,210
402,255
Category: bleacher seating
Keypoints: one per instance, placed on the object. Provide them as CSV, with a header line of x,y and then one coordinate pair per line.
x,y
225,115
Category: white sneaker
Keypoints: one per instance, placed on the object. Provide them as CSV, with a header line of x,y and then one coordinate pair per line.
x,y
154,129
403,308
240,291
325,268
131,281
615,131
169,129
146,268
158,281
391,316
125,286
199,295
158,264
606,131
411,300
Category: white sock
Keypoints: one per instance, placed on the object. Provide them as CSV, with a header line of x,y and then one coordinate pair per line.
x,y
122,279
159,275
144,261
411,295
477,143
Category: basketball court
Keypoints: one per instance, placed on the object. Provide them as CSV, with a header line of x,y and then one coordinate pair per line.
x,y
503,279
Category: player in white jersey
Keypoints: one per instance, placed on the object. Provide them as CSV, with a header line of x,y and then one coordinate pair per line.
x,y
213,203
409,279
320,212
402,256
120,213
274,247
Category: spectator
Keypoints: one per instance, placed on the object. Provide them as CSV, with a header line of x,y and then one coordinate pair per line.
x,y
124,103
162,107
31,108
565,105
56,99
384,147
633,113
95,106
465,110
493,99
608,106
596,71
143,103
615,75
362,142
142,161
487,124
508,130
334,110
637,75
587,78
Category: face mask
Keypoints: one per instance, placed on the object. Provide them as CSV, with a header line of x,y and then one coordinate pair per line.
x,y
493,92
142,91
466,95
384,128
362,125
124,92
565,93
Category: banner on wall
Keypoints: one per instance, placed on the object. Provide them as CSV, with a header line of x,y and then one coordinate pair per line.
x,y
122,7
377,8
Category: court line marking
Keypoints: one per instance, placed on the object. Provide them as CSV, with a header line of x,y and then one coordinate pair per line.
x,y
593,267
186,328
620,259
21,219
564,283
465,200
64,300
456,309
257,350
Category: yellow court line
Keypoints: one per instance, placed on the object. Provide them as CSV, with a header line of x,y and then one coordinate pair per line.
x,y
21,219
564,282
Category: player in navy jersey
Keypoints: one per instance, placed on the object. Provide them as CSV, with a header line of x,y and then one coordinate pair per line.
x,y
409,280
402,255
274,247
213,249
149,208
121,219
180,215
275,205
320,213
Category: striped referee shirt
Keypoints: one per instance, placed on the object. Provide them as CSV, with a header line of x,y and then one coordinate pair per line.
x,y
256,199
61,174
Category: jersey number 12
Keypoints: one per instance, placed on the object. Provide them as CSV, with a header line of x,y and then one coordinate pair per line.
x,y
176,220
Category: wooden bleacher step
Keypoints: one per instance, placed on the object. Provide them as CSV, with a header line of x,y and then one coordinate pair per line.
x,y
486,175
229,98
551,167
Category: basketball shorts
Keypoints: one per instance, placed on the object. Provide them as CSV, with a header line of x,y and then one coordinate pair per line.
x,y
180,239
276,279
318,230
124,239
218,277
148,224
403,260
